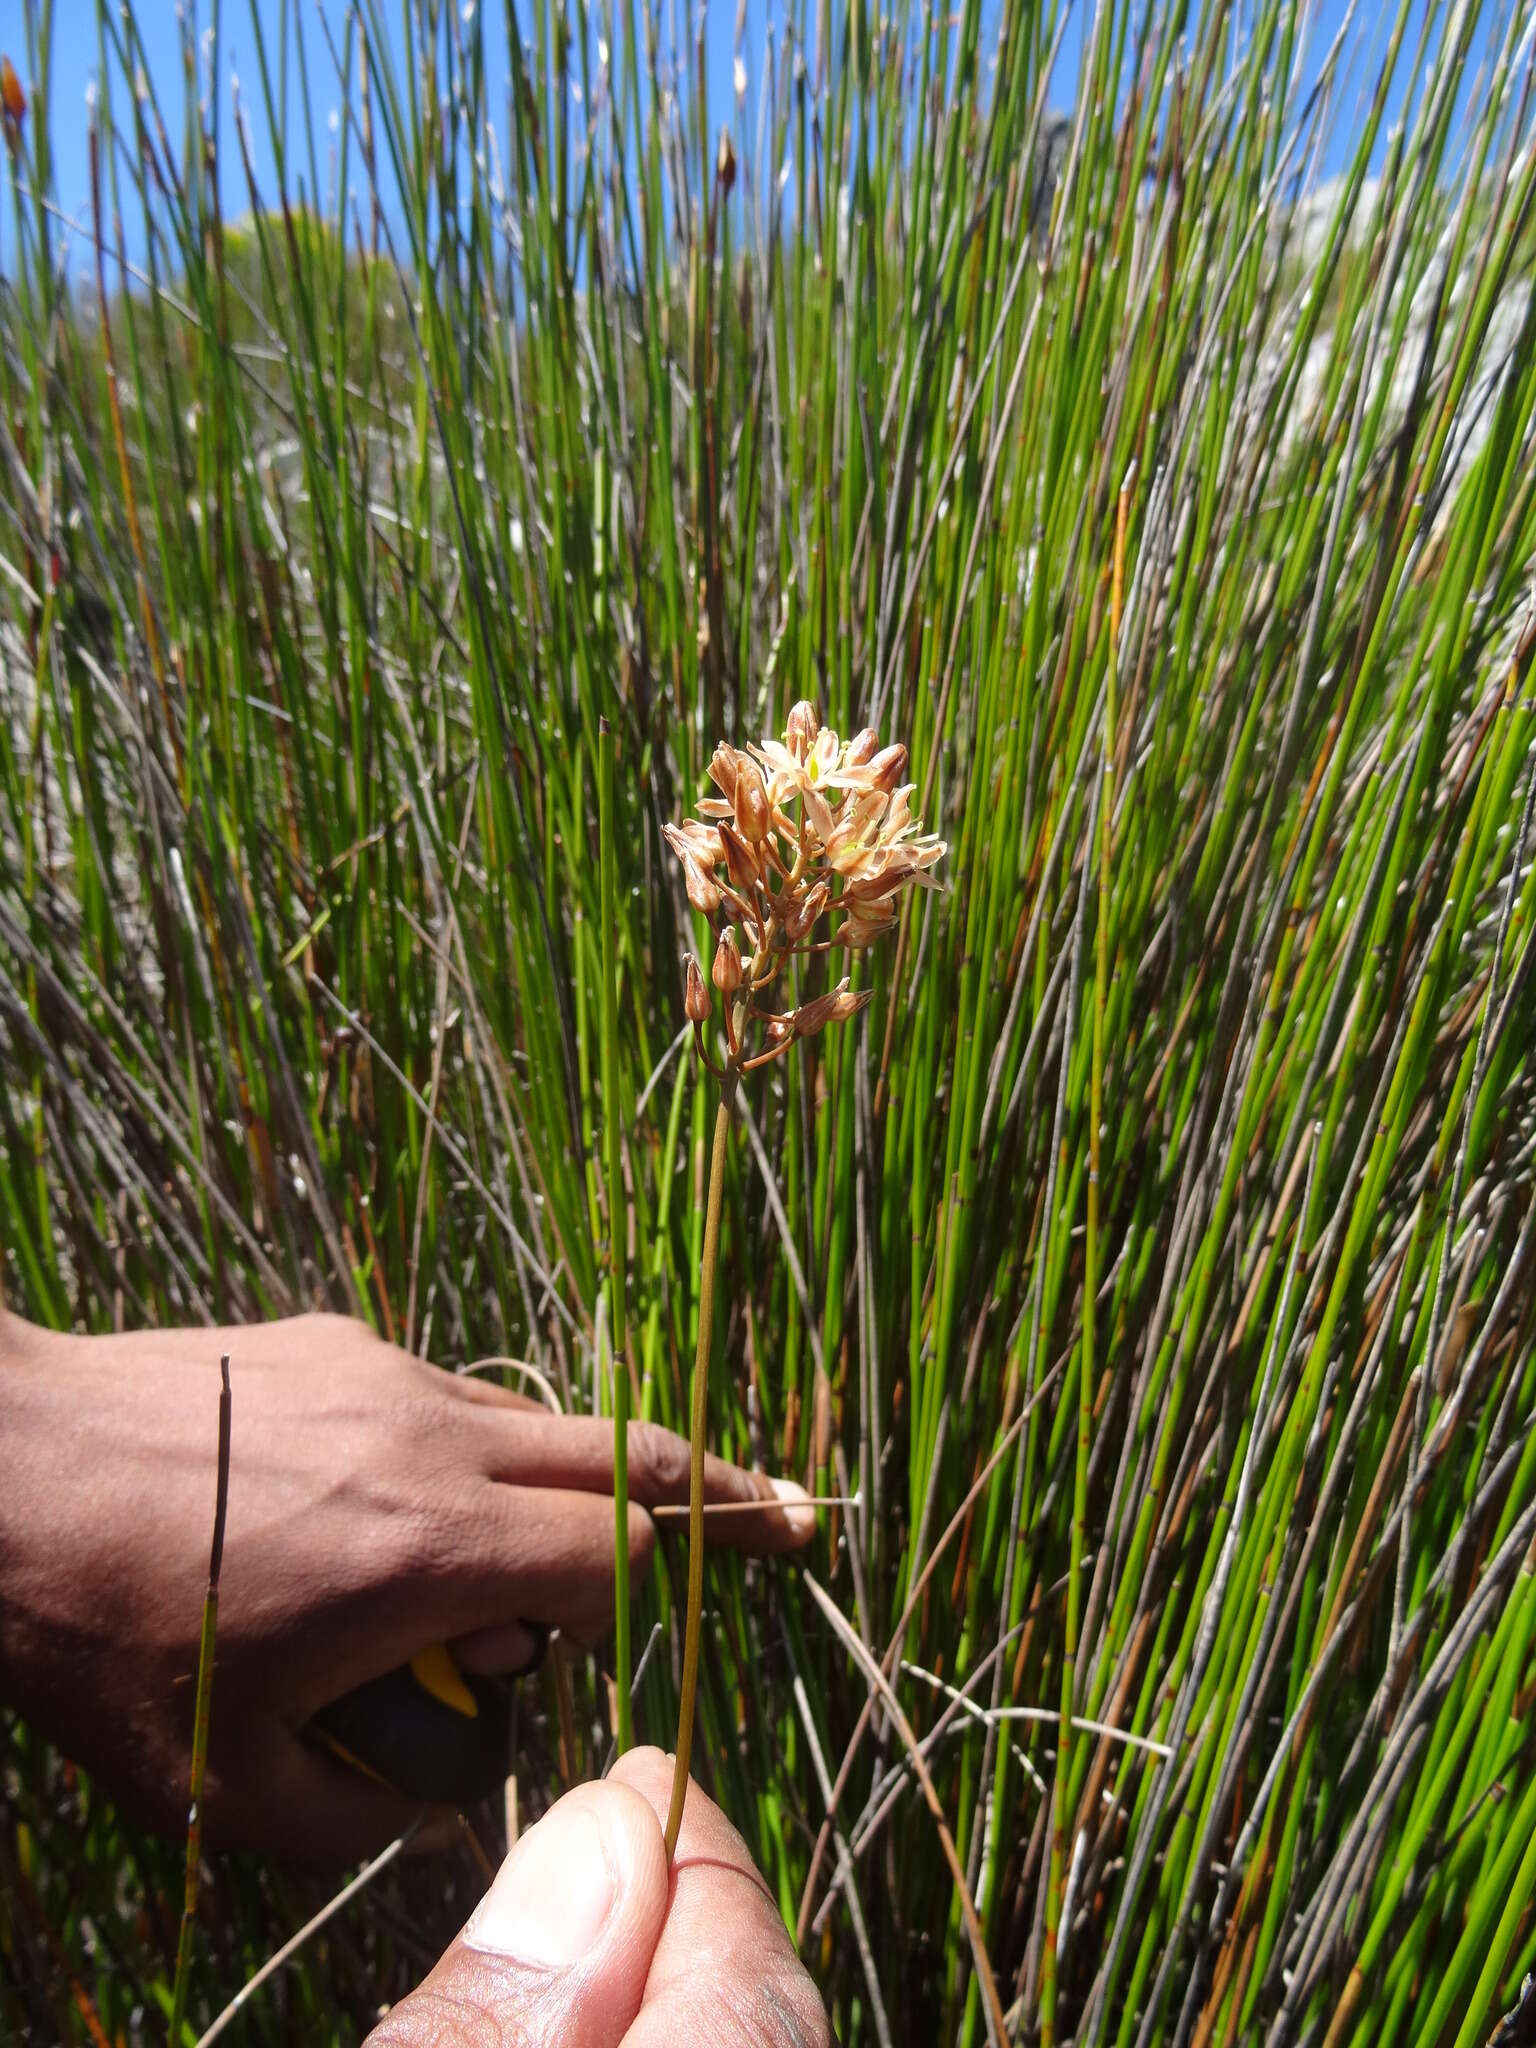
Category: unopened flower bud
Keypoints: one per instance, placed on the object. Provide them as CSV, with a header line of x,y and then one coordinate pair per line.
x,y
865,922
703,889
740,862
726,971
724,767
800,733
725,161
832,1008
888,767
696,842
861,748
12,94
695,995
804,913
850,1002
751,804
693,841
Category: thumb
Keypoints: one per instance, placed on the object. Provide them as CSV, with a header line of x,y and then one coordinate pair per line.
x,y
557,1952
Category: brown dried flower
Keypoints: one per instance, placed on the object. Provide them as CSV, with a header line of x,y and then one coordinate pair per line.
x,y
695,995
751,803
802,826
13,98
832,1008
741,862
726,971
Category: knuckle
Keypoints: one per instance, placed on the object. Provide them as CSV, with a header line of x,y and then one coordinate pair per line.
x,y
802,2018
659,1454
785,2012
775,2005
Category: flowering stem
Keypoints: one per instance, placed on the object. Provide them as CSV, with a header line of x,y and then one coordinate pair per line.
x,y
696,1473
618,1234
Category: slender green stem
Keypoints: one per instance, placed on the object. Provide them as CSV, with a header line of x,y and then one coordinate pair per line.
x,y
1062,1787
201,1717
696,1469
618,1234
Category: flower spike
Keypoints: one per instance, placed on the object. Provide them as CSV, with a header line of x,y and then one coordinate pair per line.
x,y
804,826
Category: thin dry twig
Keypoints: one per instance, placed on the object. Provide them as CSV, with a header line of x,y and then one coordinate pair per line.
x,y
992,2005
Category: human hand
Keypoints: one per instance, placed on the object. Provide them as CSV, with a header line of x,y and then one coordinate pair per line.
x,y
377,1505
586,1940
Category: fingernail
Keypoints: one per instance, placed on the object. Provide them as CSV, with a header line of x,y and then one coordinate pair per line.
x,y
553,1895
798,1512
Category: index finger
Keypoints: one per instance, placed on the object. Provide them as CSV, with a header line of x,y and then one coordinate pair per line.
x,y
575,1452
724,1969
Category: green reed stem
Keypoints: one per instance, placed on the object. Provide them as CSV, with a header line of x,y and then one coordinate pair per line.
x,y
618,1238
696,1469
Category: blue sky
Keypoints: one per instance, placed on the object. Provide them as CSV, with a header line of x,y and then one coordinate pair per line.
x,y
75,68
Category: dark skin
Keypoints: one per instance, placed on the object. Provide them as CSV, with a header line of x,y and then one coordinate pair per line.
x,y
376,1505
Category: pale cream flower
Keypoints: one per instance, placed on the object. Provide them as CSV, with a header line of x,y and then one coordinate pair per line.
x,y
803,825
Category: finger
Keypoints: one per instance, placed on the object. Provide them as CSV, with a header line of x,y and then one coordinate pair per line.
x,y
508,1649
577,1451
725,1970
489,1557
530,1554
297,1801
557,1952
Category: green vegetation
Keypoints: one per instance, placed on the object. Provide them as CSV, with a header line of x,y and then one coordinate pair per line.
x,y
1152,1259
